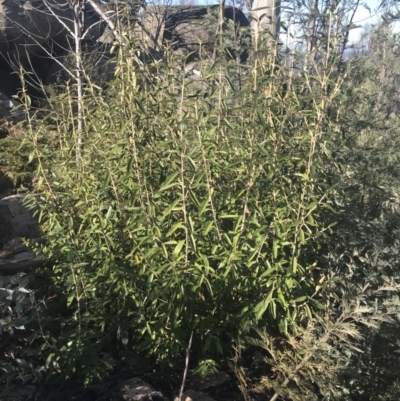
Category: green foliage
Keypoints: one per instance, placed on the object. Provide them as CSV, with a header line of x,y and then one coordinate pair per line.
x,y
369,123
33,322
193,205
365,248
346,353
15,163
175,203
310,364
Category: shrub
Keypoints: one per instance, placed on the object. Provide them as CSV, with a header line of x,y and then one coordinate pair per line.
x,y
191,205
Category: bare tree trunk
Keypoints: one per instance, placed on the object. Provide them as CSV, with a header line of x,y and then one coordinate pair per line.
x,y
311,26
79,8
77,35
221,21
265,14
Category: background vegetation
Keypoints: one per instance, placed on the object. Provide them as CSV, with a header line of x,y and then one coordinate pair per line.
x,y
255,206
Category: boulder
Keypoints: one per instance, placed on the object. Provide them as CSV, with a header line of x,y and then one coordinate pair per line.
x,y
31,36
16,221
8,112
190,29
27,28
192,395
136,390
96,62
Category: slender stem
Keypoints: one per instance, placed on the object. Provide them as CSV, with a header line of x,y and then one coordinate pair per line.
x,y
186,366
346,37
311,26
77,8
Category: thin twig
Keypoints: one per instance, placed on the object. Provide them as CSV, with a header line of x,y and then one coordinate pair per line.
x,y
107,19
186,366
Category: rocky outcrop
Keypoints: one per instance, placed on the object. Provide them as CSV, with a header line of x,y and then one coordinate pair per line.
x,y
28,28
30,34
136,390
16,257
96,64
8,112
191,30
16,221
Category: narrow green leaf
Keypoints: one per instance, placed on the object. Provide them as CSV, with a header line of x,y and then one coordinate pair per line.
x,y
203,206
105,182
175,227
265,153
275,249
283,326
262,306
261,119
178,248
302,238
50,358
208,227
308,311
71,297
268,271
109,211
211,131
169,209
140,104
129,166
229,124
318,304
169,179
294,264
312,205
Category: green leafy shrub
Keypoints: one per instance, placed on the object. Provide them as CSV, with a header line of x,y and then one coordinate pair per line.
x,y
355,358
311,364
193,205
175,204
15,168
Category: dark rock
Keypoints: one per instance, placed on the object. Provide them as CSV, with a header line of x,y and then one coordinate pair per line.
x,y
200,383
30,35
191,395
28,29
97,64
16,220
191,29
7,109
136,390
